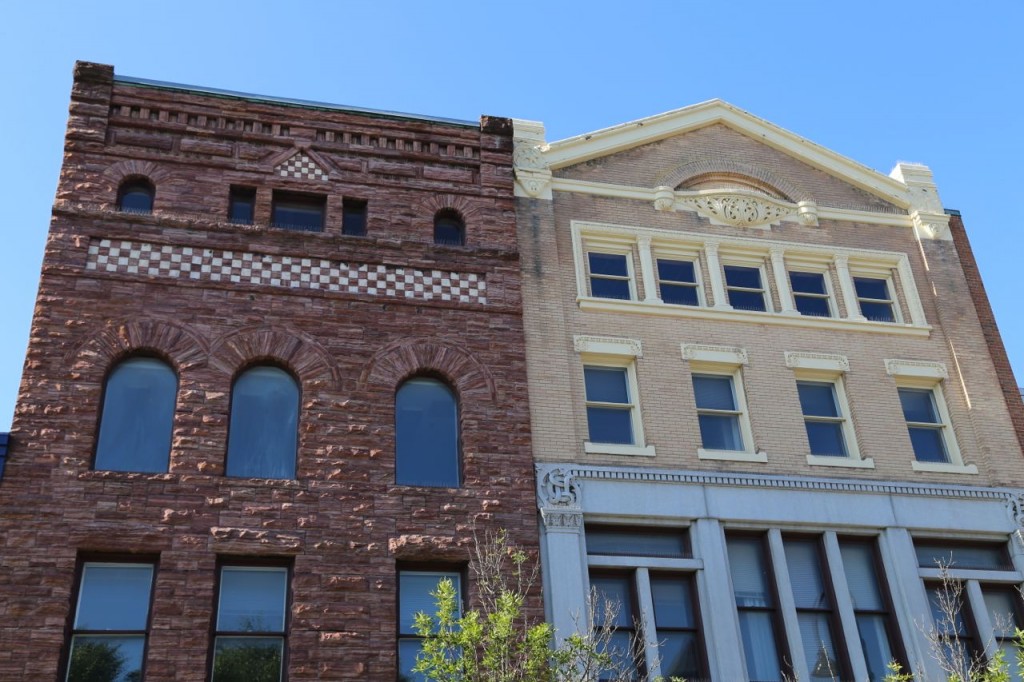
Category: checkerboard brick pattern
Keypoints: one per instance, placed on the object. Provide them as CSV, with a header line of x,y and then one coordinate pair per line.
x,y
302,167
244,267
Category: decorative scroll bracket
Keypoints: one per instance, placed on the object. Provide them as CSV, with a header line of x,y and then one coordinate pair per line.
x,y
736,208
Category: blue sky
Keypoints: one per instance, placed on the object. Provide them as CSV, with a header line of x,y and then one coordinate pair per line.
x,y
937,82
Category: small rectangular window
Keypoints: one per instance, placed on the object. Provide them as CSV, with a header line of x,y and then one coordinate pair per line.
x,y
609,276
677,282
874,299
353,217
251,623
810,293
242,205
744,287
718,412
609,405
615,541
111,618
414,596
823,418
927,431
962,555
295,211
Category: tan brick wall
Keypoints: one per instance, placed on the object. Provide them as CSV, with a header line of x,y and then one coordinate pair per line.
x,y
977,406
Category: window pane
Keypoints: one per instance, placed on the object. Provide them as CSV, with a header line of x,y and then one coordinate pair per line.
x,y
673,605
746,300
720,432
873,629
262,436
928,445
679,655
859,564
427,434
408,650
296,215
616,592
449,231
819,651
817,399
877,312
610,288
610,425
606,384
241,205
114,597
992,557
713,392
608,264
136,197
1001,604
353,217
804,564
116,658
620,647
677,294
633,542
677,271
871,287
750,579
812,307
248,659
826,439
918,405
414,596
252,599
738,276
942,600
759,646
137,417
808,282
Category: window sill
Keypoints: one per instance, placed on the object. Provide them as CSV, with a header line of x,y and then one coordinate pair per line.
x,y
848,462
618,449
944,467
733,455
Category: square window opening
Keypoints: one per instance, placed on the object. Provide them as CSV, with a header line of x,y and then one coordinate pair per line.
x,y
242,205
298,211
353,217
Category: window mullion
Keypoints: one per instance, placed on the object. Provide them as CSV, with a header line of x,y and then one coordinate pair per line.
x,y
648,627
647,270
716,275
782,282
844,606
787,605
846,288
975,601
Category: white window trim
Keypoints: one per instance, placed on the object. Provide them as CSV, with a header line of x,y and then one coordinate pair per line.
x,y
728,259
618,353
691,255
853,458
620,245
890,284
725,361
929,375
830,294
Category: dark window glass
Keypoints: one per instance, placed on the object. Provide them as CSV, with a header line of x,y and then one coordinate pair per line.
x,y
675,619
242,205
755,602
609,276
251,624
136,196
923,424
636,542
137,417
744,287
609,408
717,413
677,280
353,217
616,607
1004,613
822,419
986,557
814,610
873,296
809,293
263,433
111,620
426,434
875,623
449,228
956,636
414,588
303,212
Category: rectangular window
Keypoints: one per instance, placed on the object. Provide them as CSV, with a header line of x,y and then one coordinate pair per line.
x,y
242,205
353,217
295,211
610,405
252,605
610,275
754,589
676,628
876,625
874,299
963,555
744,287
414,596
616,608
616,541
815,612
718,412
810,293
926,428
111,620
677,282
1004,615
823,418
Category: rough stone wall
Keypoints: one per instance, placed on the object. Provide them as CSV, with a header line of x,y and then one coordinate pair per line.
x,y
342,524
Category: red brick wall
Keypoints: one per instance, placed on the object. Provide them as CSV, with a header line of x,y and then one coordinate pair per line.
x,y
343,522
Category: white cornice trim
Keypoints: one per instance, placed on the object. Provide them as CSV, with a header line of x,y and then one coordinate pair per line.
x,y
725,355
924,369
829,362
607,345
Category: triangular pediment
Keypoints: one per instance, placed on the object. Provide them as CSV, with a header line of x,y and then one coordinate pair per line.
x,y
301,166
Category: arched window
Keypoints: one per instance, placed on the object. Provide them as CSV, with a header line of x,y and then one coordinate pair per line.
x,y
264,424
426,434
449,228
137,417
136,196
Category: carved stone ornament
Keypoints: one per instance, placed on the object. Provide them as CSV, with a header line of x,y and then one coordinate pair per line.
x,y
824,361
1015,510
533,182
531,170
557,519
558,488
916,368
736,207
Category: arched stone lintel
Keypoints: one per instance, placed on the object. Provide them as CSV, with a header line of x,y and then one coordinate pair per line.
x,y
117,339
404,358
298,352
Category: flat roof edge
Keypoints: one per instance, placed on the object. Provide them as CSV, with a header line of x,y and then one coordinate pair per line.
x,y
286,101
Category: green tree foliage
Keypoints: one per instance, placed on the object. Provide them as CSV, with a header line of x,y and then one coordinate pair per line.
x,y
256,663
95,661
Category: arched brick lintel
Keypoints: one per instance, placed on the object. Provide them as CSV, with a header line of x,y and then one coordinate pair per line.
x,y
116,340
296,351
122,170
692,169
397,361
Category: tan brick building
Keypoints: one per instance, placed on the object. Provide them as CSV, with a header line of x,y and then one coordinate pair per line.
x,y
276,378
767,393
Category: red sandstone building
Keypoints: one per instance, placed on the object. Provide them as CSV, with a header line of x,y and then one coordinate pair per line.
x,y
275,380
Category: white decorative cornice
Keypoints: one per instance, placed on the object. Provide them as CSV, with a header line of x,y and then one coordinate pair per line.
x,y
829,362
735,207
931,225
930,221
726,355
922,369
533,177
607,345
